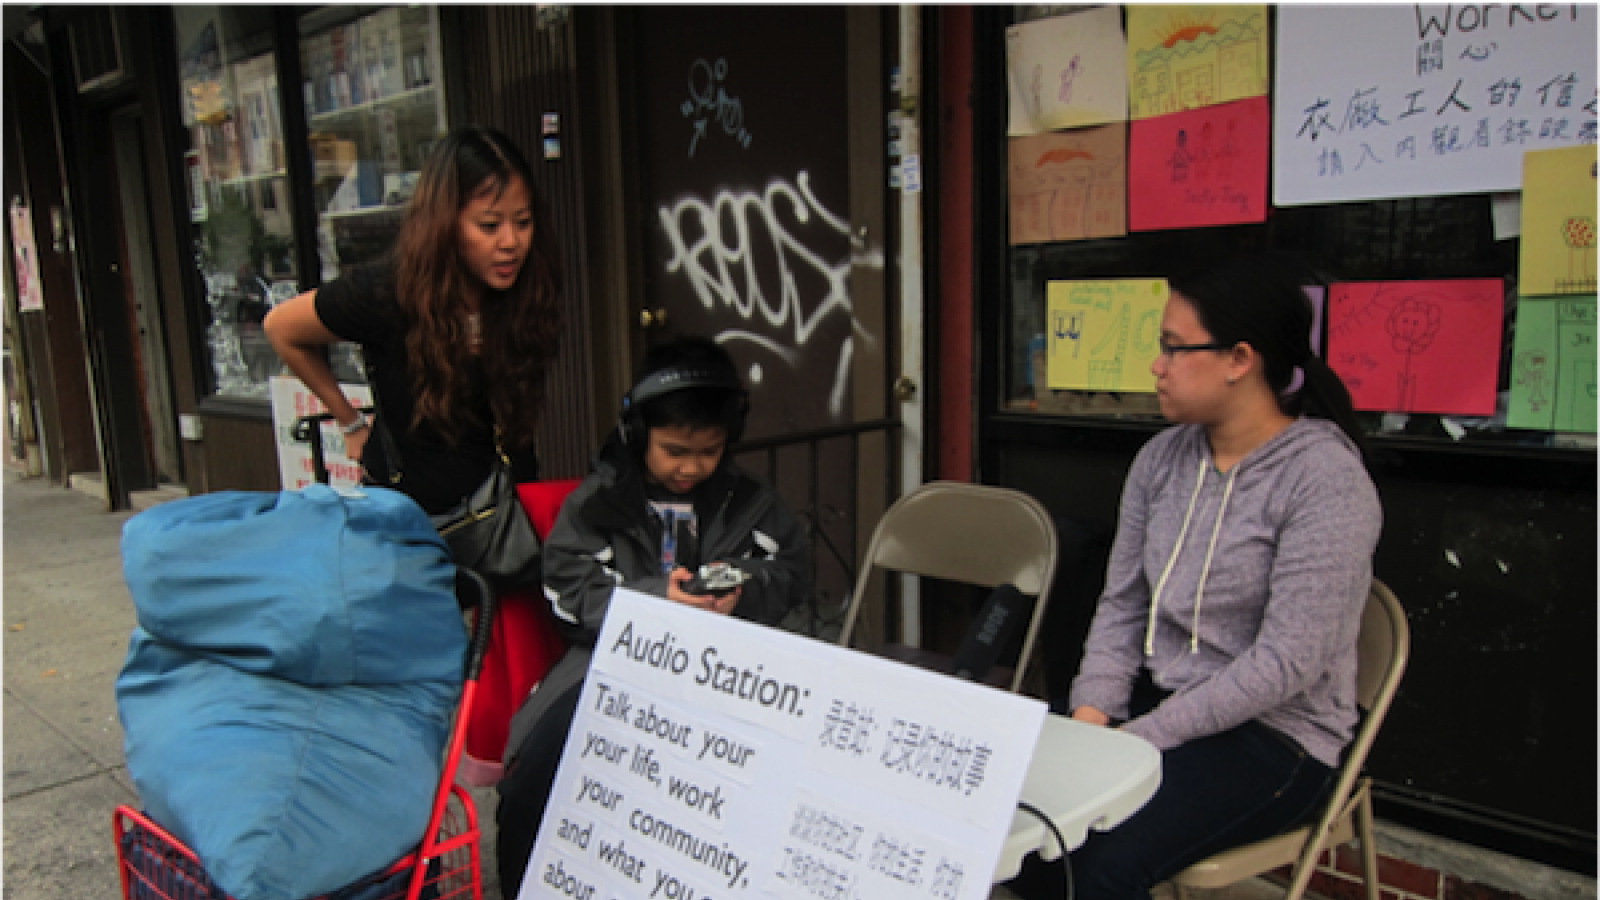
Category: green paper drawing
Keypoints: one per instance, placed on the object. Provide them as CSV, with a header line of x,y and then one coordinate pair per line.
x,y
1553,365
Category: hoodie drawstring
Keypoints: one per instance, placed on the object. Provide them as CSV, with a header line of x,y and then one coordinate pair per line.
x,y
1155,601
1205,570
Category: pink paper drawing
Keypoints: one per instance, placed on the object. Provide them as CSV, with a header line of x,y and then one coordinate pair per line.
x,y
1205,166
1418,346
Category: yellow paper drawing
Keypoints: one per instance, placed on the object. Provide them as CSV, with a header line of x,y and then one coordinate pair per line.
x,y
1182,57
1103,334
1558,222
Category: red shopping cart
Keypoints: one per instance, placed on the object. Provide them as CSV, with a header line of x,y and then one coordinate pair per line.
x,y
446,865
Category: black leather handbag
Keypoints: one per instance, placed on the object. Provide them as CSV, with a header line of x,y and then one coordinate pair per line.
x,y
488,532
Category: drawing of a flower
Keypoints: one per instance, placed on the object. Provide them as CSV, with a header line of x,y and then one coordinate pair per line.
x,y
1579,234
1412,326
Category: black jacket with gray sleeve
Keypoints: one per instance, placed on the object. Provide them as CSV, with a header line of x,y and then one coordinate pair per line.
x,y
606,537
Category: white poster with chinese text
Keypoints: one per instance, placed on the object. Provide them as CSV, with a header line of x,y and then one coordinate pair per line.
x,y
1389,100
712,758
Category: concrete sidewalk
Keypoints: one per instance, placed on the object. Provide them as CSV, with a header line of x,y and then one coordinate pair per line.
x,y
67,618
67,621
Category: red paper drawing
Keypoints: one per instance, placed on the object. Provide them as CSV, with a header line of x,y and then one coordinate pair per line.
x,y
1418,346
1201,167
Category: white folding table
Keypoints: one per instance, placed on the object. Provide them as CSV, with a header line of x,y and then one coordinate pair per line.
x,y
1082,776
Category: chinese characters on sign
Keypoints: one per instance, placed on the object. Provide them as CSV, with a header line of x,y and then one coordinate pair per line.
x,y
1379,101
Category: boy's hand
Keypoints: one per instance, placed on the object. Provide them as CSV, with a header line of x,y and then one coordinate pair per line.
x,y
720,605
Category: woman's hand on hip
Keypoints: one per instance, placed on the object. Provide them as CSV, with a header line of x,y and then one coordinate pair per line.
x,y
355,443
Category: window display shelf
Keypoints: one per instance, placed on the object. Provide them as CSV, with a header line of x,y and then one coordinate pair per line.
x,y
374,108
238,180
421,97
366,212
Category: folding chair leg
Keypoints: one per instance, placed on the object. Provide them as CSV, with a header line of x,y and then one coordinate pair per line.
x,y
1310,858
1369,843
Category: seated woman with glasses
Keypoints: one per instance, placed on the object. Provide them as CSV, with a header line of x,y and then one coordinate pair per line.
x,y
1226,634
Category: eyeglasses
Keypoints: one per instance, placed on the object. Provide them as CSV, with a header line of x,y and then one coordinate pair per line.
x,y
1169,350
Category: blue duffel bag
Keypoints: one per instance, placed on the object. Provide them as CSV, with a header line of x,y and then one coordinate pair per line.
x,y
287,695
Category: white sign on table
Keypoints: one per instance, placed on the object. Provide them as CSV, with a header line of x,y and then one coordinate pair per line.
x,y
711,758
1390,100
290,401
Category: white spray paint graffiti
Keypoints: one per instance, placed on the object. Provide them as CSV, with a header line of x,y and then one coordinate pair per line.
x,y
712,245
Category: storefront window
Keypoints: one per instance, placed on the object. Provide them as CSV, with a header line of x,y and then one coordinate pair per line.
x,y
374,107
1418,249
241,228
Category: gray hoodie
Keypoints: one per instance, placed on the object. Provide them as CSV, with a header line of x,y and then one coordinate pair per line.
x,y
1259,577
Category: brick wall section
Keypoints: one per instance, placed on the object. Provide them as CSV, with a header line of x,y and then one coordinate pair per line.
x,y
1339,878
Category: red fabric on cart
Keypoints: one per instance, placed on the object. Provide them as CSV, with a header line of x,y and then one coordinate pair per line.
x,y
542,501
524,645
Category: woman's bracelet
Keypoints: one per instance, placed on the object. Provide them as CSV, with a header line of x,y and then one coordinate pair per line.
x,y
361,421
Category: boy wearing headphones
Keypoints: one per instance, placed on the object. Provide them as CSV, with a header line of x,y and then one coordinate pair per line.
x,y
664,498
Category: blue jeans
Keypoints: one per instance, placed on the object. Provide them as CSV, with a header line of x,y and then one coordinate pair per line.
x,y
1216,792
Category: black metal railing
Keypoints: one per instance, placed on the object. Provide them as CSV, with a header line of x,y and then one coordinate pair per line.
x,y
825,494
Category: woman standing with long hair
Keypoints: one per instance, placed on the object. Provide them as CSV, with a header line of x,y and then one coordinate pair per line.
x,y
457,327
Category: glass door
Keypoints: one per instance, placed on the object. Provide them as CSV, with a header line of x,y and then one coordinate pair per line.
x,y
239,199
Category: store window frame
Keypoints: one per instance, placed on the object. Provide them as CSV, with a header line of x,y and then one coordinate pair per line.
x,y
298,188
1088,454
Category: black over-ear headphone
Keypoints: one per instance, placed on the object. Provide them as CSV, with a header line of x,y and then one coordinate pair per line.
x,y
630,424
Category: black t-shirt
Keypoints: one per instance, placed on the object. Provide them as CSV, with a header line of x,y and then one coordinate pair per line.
x,y
361,308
